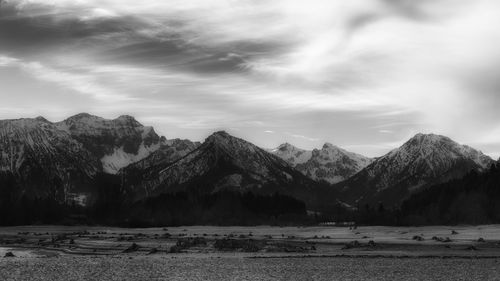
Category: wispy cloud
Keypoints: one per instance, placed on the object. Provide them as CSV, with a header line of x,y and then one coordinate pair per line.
x,y
392,66
84,83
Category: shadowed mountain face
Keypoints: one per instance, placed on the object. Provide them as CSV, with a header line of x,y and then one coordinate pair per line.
x,y
116,143
224,162
472,199
422,161
330,163
45,161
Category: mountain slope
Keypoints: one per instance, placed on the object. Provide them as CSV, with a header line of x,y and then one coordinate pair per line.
x,y
44,160
117,143
420,162
169,152
330,163
224,162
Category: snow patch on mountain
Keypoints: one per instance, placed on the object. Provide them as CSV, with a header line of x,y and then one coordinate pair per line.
x,y
119,159
117,143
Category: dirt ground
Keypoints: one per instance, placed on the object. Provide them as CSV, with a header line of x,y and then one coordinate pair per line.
x,y
262,241
250,253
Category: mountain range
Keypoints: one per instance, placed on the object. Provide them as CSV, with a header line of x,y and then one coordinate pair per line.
x,y
64,161
330,163
222,162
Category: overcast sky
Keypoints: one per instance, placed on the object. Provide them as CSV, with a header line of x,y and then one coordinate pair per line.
x,y
362,74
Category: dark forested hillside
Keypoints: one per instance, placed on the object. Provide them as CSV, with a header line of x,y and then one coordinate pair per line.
x,y
111,205
474,199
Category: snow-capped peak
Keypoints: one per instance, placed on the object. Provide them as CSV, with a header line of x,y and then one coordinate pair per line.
x,y
432,146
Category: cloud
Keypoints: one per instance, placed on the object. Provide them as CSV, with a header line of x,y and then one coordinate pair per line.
x,y
6,61
80,82
372,66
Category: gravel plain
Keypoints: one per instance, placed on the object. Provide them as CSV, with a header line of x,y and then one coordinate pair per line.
x,y
250,253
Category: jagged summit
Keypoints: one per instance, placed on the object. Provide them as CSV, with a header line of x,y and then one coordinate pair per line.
x,y
28,130
89,118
